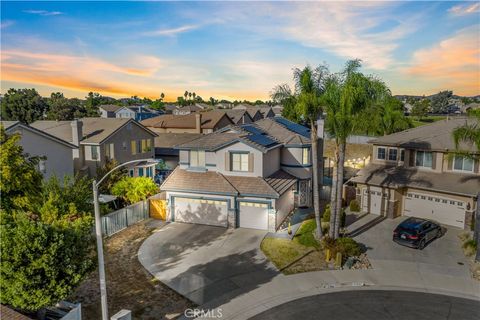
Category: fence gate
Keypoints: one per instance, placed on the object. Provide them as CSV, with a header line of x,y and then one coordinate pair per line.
x,y
158,209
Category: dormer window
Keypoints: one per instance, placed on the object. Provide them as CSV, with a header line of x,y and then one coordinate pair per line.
x,y
462,164
197,158
381,153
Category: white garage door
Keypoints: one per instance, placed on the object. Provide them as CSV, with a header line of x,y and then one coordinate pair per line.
x,y
372,200
211,212
253,215
444,210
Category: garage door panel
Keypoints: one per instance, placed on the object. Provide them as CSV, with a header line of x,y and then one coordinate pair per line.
x,y
443,210
253,215
201,211
372,200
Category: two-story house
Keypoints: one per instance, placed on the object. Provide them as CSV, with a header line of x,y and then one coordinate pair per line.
x,y
100,139
199,122
138,113
52,150
249,176
419,172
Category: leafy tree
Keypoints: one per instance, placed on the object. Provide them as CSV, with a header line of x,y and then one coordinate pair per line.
x,y
71,190
157,104
24,105
181,101
347,95
469,132
421,108
134,189
61,108
283,94
309,89
113,178
19,177
385,117
94,99
213,101
440,101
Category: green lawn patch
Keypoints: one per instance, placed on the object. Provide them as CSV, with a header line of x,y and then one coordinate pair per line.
x,y
425,120
282,252
305,234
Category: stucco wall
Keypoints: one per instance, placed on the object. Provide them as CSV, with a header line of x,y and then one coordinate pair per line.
x,y
291,161
284,205
271,162
257,160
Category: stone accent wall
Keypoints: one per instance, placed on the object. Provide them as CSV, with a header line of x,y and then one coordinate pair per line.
x,y
392,209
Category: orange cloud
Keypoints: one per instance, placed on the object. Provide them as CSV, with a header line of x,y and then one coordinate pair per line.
x,y
454,63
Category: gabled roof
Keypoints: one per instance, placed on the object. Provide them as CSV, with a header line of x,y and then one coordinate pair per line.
x,y
110,107
436,136
237,114
11,125
190,108
210,120
212,141
398,177
214,182
281,133
95,130
170,140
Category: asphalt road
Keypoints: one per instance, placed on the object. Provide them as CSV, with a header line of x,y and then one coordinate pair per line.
x,y
375,305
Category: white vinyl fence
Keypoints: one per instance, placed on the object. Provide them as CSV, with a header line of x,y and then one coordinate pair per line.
x,y
121,219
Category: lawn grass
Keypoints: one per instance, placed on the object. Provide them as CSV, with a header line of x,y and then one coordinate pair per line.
x,y
425,120
282,252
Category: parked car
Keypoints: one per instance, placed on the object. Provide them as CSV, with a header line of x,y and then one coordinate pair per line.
x,y
416,232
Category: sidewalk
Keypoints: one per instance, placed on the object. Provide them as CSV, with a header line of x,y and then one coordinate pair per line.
x,y
283,288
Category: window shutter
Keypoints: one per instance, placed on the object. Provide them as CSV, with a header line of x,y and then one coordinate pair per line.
x,y
250,162
133,145
434,160
411,155
227,161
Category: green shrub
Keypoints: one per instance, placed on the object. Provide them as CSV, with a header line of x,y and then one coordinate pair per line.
x,y
354,206
305,234
326,214
346,246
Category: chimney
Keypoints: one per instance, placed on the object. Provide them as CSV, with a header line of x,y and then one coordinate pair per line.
x,y
198,122
77,132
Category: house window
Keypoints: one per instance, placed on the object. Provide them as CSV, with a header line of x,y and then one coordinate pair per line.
x,y
144,145
197,158
131,172
140,172
462,164
94,152
133,146
392,154
402,155
42,166
423,159
109,150
239,161
305,156
381,153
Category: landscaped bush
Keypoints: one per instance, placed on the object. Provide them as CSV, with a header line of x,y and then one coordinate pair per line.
x,y
305,234
469,247
326,214
346,246
354,206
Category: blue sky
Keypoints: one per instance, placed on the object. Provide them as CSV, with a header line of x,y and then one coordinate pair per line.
x,y
234,49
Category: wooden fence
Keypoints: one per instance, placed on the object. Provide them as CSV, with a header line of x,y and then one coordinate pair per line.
x,y
121,219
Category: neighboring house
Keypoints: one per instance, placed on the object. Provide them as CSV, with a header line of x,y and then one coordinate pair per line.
x,y
257,113
165,144
169,108
239,116
199,122
249,176
418,173
186,110
277,110
100,139
53,150
108,110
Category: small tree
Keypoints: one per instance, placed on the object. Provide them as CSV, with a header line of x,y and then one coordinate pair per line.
x,y
134,189
113,178
420,108
24,105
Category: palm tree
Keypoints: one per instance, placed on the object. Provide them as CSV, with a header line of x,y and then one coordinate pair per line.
x,y
346,95
185,94
306,103
469,132
385,117
162,96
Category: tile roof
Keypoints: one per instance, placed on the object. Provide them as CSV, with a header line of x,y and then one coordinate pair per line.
x,y
210,181
212,141
436,136
281,133
281,181
170,140
10,314
95,130
398,177
8,124
11,124
210,120
236,114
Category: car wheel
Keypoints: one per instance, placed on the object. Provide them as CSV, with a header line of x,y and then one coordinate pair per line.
x,y
421,245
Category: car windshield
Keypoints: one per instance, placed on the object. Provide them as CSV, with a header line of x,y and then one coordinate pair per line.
x,y
408,230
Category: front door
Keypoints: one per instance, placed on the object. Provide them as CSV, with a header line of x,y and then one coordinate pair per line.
x,y
303,193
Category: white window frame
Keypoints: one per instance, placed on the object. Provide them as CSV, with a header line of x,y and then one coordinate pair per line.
x,y
239,161
97,155
402,155
197,158
306,156
385,153
423,159
396,154
463,164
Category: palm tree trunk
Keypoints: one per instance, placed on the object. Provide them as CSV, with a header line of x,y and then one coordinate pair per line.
x,y
340,173
316,196
333,193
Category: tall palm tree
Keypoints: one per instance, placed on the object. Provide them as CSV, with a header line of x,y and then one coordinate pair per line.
x,y
194,95
185,94
162,96
385,117
306,100
469,132
346,96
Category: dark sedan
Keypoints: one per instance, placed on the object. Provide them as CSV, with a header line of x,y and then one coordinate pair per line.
x,y
416,232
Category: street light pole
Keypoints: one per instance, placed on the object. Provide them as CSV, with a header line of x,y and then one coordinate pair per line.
x,y
98,234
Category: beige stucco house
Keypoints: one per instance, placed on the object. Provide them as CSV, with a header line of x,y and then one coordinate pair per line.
x,y
98,140
419,172
249,176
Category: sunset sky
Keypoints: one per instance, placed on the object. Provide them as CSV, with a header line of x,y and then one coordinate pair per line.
x,y
234,50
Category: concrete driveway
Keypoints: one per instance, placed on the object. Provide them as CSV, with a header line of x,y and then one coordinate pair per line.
x,y
443,255
204,262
